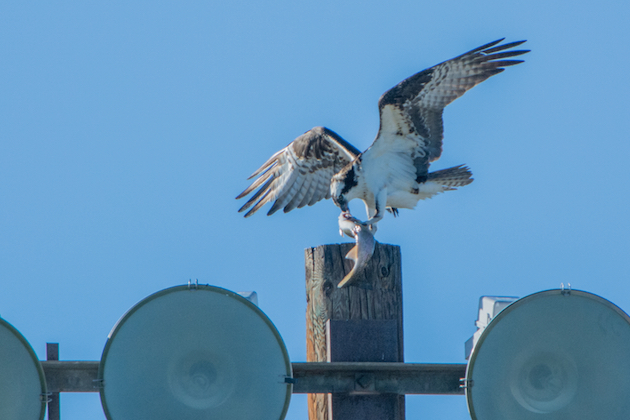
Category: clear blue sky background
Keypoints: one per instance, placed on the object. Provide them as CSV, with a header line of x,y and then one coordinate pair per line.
x,y
127,129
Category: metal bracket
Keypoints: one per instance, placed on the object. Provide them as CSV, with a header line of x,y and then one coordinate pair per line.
x,y
567,291
465,383
364,382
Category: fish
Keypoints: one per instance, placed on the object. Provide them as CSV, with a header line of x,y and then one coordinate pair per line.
x,y
360,253
346,226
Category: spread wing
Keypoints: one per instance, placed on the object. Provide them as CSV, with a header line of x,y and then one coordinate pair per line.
x,y
411,112
300,173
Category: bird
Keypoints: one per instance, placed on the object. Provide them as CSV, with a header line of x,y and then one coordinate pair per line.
x,y
393,173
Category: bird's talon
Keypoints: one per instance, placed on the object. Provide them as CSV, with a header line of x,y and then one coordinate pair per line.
x,y
352,219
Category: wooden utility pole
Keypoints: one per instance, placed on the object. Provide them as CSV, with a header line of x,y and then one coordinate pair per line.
x,y
358,323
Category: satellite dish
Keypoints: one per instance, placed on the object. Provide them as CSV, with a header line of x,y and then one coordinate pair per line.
x,y
555,354
195,352
22,380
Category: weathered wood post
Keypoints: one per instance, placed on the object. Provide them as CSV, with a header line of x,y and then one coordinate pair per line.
x,y
358,323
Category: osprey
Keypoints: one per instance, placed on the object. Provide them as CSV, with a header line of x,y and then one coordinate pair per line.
x,y
393,172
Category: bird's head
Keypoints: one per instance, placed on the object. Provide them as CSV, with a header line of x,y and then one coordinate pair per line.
x,y
342,185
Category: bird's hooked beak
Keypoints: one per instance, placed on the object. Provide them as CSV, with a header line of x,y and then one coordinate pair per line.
x,y
343,205
340,201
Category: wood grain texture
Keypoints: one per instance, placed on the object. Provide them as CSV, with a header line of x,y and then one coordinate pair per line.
x,y
377,295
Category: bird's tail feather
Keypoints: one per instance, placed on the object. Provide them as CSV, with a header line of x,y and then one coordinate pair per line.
x,y
457,176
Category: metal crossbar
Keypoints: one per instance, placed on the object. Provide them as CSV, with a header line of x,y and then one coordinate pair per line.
x,y
308,377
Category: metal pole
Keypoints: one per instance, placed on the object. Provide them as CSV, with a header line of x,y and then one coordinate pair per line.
x,y
310,377
52,353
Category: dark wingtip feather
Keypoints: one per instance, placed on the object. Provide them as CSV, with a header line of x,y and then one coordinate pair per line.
x,y
264,189
258,205
245,207
506,63
501,47
492,47
506,54
270,163
241,195
486,46
263,169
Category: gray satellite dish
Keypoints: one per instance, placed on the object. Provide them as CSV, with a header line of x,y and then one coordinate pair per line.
x,y
194,353
556,354
22,381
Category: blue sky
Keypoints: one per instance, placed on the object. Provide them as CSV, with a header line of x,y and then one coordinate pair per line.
x,y
127,129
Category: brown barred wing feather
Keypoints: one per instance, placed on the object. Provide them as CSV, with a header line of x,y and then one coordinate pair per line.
x,y
299,174
411,112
